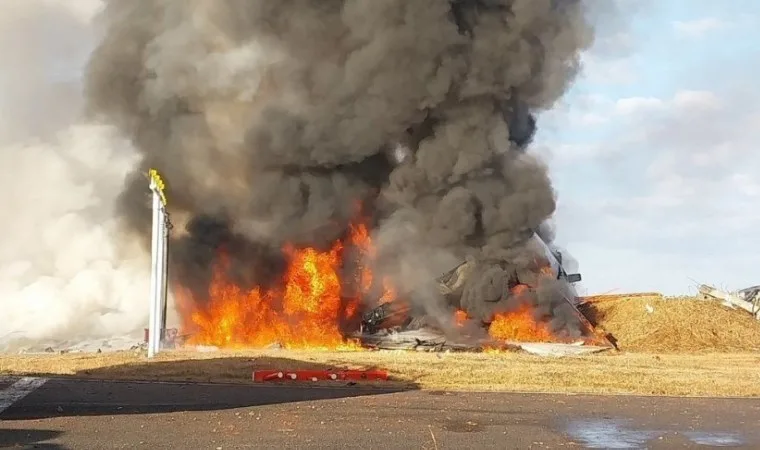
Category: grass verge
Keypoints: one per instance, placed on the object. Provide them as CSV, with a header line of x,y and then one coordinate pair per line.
x,y
718,374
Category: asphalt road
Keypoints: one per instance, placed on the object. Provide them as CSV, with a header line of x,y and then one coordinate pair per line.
x,y
71,414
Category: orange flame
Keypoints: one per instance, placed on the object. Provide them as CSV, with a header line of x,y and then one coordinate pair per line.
x,y
361,239
460,318
520,325
305,312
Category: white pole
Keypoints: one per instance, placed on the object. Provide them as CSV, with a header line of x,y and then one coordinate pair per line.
x,y
153,333
158,316
164,272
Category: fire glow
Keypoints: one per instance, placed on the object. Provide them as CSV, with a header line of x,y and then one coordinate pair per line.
x,y
307,310
304,314
520,326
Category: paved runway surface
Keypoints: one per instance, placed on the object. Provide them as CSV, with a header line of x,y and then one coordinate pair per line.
x,y
70,414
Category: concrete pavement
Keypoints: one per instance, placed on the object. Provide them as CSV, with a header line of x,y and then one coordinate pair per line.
x,y
73,414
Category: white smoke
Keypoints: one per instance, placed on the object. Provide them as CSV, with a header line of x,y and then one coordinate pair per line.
x,y
66,270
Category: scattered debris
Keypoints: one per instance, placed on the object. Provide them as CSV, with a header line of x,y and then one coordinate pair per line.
x,y
746,299
25,346
429,340
426,340
139,347
319,375
396,325
559,350
170,338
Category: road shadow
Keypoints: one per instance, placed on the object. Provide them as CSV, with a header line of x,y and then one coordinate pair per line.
x,y
185,385
19,438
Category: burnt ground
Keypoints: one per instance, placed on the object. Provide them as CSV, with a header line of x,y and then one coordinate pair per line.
x,y
72,414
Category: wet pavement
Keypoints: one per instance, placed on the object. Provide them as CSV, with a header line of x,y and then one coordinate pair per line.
x,y
71,414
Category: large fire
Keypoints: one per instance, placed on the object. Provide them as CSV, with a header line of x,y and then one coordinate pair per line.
x,y
520,326
309,308
305,312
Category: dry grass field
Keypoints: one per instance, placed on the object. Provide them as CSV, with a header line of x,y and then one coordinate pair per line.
x,y
667,347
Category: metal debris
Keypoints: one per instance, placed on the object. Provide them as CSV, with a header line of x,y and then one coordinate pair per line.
x,y
558,349
747,299
428,340
424,340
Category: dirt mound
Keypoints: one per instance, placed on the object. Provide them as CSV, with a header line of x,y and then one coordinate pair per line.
x,y
651,323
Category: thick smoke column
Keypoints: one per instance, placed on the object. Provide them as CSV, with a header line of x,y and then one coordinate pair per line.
x,y
67,269
271,119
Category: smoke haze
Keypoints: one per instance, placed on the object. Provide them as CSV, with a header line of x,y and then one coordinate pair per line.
x,y
62,274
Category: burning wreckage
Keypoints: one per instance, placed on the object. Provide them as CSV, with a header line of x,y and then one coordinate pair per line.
x,y
533,308
514,320
272,121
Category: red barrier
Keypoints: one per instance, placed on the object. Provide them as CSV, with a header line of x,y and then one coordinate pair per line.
x,y
319,375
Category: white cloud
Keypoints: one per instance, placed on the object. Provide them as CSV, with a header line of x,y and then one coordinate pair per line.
x,y
616,44
683,102
590,119
637,105
656,190
574,152
699,27
746,184
703,100
678,180
602,70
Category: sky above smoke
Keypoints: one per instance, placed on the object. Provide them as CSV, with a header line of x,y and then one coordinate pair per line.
x,y
654,151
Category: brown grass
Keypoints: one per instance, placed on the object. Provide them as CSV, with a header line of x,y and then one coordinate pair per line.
x,y
612,373
674,325
683,347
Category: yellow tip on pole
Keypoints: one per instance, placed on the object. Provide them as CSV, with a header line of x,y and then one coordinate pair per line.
x,y
159,183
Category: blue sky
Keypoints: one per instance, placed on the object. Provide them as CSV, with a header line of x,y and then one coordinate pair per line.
x,y
653,151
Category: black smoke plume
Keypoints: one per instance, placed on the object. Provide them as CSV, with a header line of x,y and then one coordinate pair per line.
x,y
271,120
